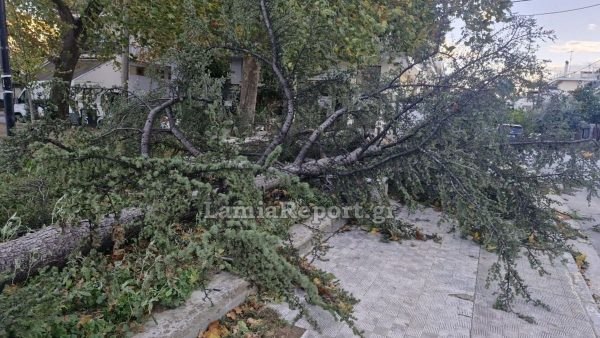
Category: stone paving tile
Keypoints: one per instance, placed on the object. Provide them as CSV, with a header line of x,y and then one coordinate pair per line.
x,y
428,289
567,316
406,289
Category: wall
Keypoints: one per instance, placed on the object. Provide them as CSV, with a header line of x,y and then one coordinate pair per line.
x,y
235,70
107,75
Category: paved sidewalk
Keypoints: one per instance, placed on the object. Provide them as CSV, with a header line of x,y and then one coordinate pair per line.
x,y
428,289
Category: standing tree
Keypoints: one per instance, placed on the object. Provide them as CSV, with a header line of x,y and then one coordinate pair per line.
x,y
75,31
31,41
588,102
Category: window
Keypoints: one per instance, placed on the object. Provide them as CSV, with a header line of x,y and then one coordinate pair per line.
x,y
21,98
166,73
585,133
140,71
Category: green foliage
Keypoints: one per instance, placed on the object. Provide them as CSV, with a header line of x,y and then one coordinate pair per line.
x,y
557,118
27,198
31,41
11,229
588,104
176,252
523,118
90,173
432,133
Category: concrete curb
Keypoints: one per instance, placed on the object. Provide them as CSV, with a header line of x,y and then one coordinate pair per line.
x,y
584,289
227,291
584,293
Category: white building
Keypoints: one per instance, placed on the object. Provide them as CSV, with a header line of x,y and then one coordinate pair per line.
x,y
570,81
96,75
573,82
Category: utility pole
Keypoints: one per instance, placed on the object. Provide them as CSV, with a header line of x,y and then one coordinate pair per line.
x,y
125,67
125,53
9,113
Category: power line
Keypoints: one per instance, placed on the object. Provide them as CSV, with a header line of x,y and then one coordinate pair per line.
x,y
559,12
578,70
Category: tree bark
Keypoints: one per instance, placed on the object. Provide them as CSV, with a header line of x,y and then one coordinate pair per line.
x,y
64,68
248,93
146,132
33,115
276,66
64,65
51,246
125,70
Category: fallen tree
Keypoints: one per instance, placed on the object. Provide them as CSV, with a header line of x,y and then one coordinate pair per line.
x,y
431,132
52,245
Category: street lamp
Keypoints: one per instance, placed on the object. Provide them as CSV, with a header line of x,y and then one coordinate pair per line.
x,y
6,76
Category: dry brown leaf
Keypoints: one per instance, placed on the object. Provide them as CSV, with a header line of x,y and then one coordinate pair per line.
x,y
118,235
11,289
587,154
231,315
253,322
324,292
214,330
580,260
84,320
118,254
305,265
255,305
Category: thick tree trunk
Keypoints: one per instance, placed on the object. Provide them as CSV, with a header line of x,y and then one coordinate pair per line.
x,y
33,114
51,246
248,93
64,68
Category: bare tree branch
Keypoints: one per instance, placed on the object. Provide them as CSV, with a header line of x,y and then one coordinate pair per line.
x,y
391,84
180,136
316,133
64,12
147,130
285,86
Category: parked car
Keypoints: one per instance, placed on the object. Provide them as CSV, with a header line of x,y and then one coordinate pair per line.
x,y
21,107
78,111
513,131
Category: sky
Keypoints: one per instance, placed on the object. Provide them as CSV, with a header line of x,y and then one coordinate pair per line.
x,y
577,31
